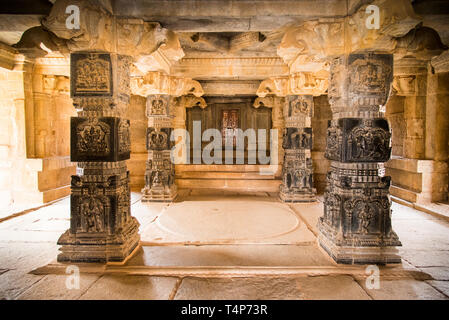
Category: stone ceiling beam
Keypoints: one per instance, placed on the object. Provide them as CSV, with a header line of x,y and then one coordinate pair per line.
x,y
230,16
230,68
230,87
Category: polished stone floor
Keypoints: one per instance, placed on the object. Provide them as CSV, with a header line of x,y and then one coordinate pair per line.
x,y
221,245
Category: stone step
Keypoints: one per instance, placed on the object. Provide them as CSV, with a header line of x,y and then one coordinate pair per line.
x,y
269,185
223,175
220,167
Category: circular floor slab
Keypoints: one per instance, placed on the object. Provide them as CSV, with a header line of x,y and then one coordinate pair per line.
x,y
227,220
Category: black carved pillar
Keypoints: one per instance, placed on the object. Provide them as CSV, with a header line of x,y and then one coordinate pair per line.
x,y
356,225
160,170
101,226
297,170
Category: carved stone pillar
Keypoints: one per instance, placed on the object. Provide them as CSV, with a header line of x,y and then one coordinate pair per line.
x,y
160,171
297,171
101,226
356,225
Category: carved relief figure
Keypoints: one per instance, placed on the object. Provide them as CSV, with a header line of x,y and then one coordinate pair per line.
x,y
157,140
93,137
366,214
369,143
124,136
92,214
92,75
370,76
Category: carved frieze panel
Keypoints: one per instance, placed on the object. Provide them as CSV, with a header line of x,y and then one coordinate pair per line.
x,y
299,105
159,138
99,139
91,74
360,82
157,105
297,138
370,76
358,140
361,221
99,205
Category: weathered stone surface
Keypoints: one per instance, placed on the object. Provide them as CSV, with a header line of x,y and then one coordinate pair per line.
x,y
441,286
404,290
259,255
115,287
306,288
54,287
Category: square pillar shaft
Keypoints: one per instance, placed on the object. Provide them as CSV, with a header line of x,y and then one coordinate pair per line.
x,y
297,170
356,225
101,226
160,171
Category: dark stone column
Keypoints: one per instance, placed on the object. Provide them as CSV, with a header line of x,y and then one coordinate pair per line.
x,y
160,170
356,225
297,170
101,226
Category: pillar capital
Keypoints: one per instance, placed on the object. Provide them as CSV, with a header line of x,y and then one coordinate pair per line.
x,y
441,62
410,77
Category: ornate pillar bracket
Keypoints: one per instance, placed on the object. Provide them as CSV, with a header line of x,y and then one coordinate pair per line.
x,y
356,225
308,45
167,98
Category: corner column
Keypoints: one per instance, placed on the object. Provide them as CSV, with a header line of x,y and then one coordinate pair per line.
x,y
356,225
160,171
101,226
297,170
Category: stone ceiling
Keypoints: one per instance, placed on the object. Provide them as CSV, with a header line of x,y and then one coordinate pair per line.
x,y
228,44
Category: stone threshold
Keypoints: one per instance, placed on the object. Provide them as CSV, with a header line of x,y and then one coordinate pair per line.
x,y
439,210
389,272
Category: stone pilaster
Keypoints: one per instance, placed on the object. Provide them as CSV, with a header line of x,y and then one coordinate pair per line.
x,y
356,225
297,171
160,170
410,81
101,226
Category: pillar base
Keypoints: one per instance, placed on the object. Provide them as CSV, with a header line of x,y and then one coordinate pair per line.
x,y
308,195
159,194
102,248
360,249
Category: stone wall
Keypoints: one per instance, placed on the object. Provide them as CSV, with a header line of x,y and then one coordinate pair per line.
x,y
35,138
322,114
12,134
139,154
